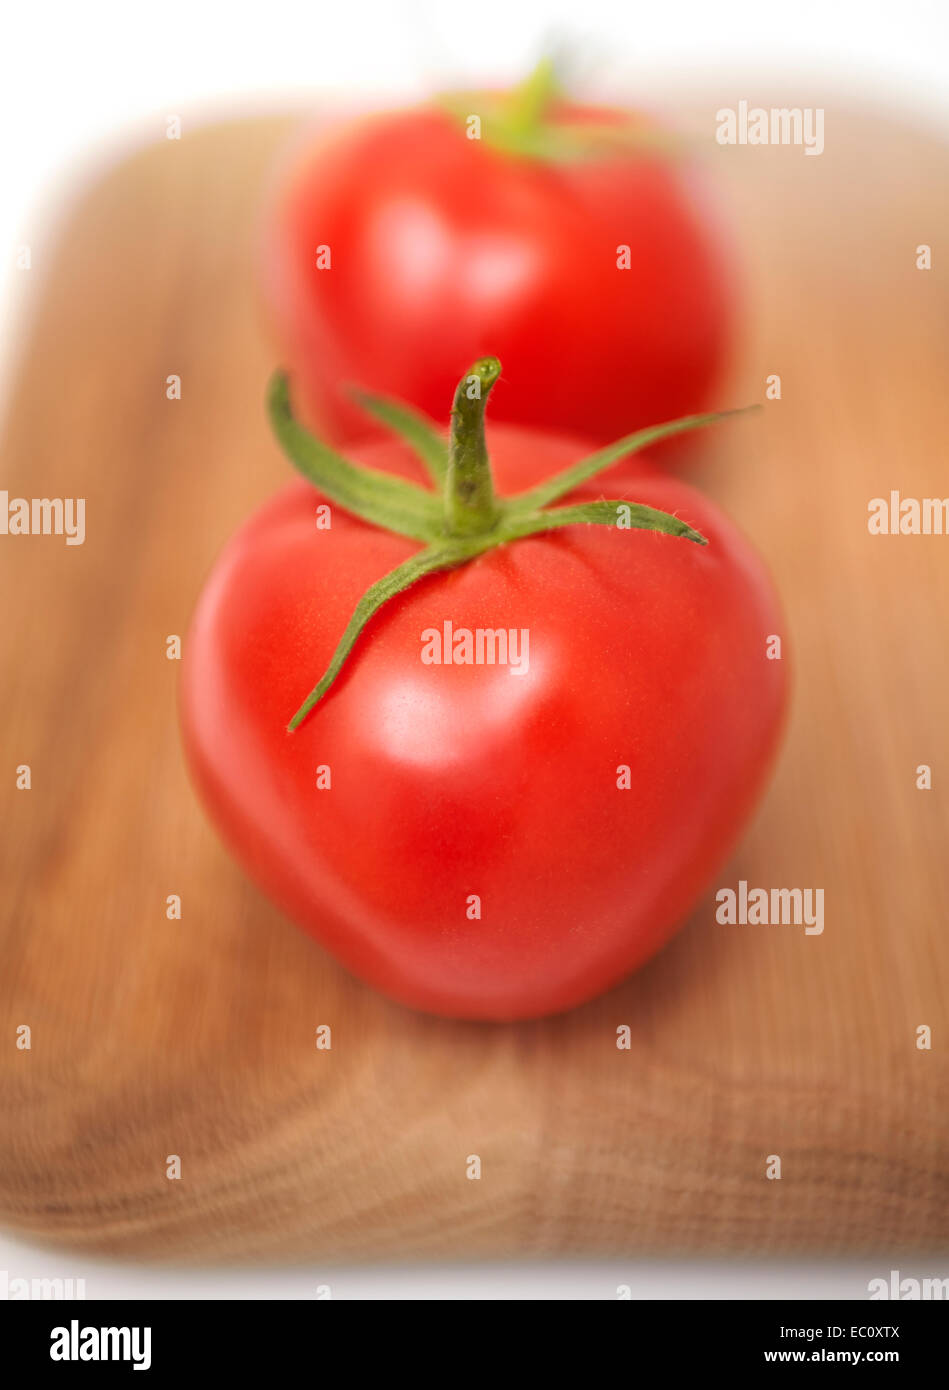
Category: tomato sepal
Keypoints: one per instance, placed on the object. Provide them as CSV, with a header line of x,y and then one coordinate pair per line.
x,y
469,519
409,425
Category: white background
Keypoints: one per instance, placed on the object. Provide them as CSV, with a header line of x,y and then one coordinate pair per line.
x,y
78,83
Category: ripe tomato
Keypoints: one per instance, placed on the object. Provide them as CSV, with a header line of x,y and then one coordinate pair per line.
x,y
397,250
476,849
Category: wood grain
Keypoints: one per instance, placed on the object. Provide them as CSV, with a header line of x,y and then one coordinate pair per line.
x,y
196,1037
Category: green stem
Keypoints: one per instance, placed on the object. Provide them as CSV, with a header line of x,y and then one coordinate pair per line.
x,y
533,121
470,505
527,104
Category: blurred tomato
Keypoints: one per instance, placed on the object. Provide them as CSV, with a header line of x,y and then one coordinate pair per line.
x,y
398,250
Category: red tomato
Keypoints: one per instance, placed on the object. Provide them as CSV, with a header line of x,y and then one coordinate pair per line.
x,y
441,249
474,854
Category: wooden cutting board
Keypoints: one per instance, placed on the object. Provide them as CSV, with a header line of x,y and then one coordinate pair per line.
x,y
196,1037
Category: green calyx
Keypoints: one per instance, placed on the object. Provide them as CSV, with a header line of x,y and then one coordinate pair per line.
x,y
461,517
528,122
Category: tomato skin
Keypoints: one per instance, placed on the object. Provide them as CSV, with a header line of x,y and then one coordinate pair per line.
x,y
444,250
448,781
